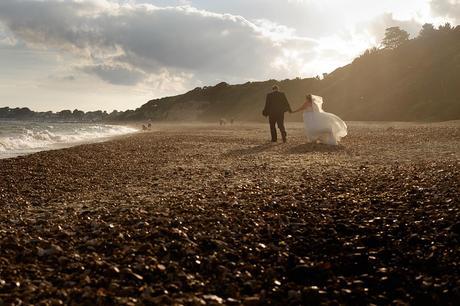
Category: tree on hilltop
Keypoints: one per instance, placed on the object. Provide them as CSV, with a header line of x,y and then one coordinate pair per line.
x,y
427,30
394,37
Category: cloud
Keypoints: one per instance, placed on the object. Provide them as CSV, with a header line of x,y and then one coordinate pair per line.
x,y
6,38
123,44
377,26
116,74
62,78
446,8
130,43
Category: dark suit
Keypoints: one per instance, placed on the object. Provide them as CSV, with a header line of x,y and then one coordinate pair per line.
x,y
276,105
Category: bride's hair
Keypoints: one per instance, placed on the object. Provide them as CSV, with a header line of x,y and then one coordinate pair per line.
x,y
310,97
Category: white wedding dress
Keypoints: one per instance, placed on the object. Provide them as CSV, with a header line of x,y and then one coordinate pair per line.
x,y
321,126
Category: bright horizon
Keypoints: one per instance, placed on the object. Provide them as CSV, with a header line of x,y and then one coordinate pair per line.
x,y
101,54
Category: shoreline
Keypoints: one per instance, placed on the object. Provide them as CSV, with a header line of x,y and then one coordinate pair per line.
x,y
40,139
63,146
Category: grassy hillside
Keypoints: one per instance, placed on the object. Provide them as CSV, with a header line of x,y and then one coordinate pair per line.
x,y
417,81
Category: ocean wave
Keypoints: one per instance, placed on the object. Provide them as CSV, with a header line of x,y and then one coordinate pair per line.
x,y
38,139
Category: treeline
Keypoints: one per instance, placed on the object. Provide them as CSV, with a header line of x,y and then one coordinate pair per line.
x,y
76,115
403,79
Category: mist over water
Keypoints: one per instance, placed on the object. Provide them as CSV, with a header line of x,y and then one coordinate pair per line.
x,y
19,138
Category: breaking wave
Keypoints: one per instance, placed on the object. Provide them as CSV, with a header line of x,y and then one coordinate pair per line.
x,y
48,137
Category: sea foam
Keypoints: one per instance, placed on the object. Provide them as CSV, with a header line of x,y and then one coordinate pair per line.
x,y
44,137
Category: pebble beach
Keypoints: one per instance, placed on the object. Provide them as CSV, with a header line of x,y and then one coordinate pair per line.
x,y
200,214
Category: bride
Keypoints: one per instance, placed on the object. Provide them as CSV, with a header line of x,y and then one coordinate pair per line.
x,y
319,125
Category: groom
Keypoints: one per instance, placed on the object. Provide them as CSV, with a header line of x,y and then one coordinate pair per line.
x,y
276,105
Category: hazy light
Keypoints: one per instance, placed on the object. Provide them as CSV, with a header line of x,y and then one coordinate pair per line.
x,y
277,38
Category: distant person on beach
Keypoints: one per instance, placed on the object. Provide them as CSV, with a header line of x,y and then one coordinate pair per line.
x,y
276,104
319,125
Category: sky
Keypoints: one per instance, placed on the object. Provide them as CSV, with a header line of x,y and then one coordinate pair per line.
x,y
118,54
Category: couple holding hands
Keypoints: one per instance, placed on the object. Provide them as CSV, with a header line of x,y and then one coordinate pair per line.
x,y
319,125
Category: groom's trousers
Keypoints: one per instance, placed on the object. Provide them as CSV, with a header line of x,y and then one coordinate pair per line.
x,y
277,120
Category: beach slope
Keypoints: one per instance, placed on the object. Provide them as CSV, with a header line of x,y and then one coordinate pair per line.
x,y
196,214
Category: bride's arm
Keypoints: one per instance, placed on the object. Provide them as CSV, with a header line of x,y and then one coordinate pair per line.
x,y
304,106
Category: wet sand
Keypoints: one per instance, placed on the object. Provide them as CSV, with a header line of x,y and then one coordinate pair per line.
x,y
197,214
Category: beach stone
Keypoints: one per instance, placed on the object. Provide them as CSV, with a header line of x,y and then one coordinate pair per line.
x,y
251,301
213,298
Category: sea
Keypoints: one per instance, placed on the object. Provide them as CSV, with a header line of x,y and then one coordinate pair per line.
x,y
21,138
